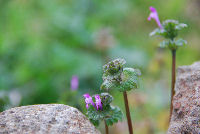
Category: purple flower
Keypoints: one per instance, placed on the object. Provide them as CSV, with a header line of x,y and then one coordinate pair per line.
x,y
154,15
98,102
88,100
74,83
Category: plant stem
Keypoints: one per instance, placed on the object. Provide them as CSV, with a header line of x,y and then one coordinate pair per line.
x,y
106,127
173,80
128,116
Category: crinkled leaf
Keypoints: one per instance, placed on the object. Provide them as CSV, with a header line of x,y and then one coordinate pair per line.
x,y
114,66
170,29
130,79
111,78
110,81
115,115
107,85
94,114
109,113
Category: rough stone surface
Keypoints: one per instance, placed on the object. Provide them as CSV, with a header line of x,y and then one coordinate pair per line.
x,y
45,119
186,102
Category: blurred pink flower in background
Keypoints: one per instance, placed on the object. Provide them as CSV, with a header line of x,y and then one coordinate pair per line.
x,y
154,15
74,83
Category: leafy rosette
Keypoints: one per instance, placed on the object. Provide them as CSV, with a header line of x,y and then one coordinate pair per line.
x,y
124,79
169,31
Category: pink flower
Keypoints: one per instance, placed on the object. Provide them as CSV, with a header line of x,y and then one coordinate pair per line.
x,y
74,83
88,100
98,102
154,15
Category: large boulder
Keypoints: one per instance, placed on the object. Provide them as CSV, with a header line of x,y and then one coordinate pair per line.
x,y
45,119
186,102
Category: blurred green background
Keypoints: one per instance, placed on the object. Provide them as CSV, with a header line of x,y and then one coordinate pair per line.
x,y
43,43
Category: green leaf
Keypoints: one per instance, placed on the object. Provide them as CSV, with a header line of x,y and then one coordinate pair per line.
x,y
157,31
130,79
107,84
115,116
180,26
173,45
109,122
180,42
95,122
169,31
94,114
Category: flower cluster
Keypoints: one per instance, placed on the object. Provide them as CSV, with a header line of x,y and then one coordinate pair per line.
x,y
89,101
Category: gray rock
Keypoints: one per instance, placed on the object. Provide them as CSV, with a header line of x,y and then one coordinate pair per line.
x,y
45,119
186,102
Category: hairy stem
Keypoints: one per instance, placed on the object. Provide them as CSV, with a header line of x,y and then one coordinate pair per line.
x,y
173,80
106,127
128,116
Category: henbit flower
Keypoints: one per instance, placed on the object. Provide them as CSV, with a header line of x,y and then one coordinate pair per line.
x,y
88,100
74,83
98,102
154,15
